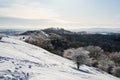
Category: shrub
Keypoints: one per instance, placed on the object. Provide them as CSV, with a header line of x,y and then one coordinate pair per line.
x,y
115,57
116,71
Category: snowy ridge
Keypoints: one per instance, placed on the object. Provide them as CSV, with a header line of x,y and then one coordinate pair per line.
x,y
23,61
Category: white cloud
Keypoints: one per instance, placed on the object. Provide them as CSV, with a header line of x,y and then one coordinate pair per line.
x,y
29,9
32,11
63,13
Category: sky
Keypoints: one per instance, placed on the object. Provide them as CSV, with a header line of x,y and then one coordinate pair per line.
x,y
68,14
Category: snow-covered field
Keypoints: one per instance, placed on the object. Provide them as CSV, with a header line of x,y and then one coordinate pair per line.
x,y
23,61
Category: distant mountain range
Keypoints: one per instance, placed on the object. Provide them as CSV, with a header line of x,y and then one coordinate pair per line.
x,y
62,31
99,30
11,31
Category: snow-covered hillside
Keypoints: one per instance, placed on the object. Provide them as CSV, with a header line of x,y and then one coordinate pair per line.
x,y
23,61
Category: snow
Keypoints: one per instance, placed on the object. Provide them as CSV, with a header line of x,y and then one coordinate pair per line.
x,y
20,37
23,61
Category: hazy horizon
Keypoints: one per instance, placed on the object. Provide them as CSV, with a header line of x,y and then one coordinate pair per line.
x,y
67,14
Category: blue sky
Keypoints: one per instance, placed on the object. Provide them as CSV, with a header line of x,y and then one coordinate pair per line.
x,y
68,14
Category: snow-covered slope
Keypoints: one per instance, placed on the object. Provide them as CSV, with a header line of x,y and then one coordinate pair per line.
x,y
23,61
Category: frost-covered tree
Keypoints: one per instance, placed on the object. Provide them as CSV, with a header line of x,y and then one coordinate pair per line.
x,y
69,53
106,65
95,51
79,56
115,56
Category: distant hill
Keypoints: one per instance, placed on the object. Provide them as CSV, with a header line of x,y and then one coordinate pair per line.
x,y
11,31
99,30
66,39
57,31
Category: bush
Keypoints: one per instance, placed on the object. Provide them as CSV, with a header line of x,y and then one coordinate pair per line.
x,y
116,71
115,57
106,65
